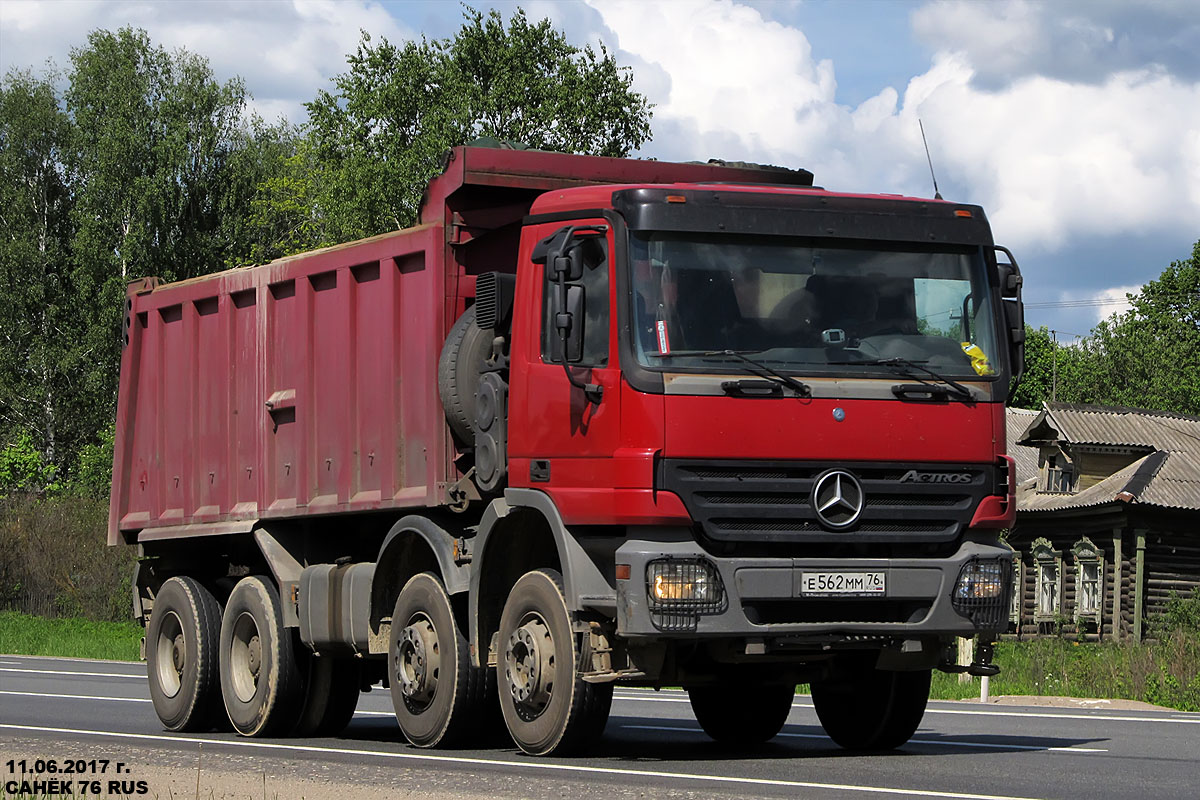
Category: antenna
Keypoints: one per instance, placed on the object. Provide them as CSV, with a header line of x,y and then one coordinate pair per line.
x,y
936,194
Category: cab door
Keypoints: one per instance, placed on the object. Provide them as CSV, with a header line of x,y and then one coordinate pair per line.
x,y
562,437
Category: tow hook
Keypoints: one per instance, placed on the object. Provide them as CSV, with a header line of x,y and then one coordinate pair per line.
x,y
980,666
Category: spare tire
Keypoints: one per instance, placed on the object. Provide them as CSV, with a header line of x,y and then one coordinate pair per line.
x,y
465,353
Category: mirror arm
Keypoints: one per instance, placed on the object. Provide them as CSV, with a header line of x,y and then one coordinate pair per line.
x,y
594,392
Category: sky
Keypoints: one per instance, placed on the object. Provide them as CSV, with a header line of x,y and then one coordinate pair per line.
x,y
1074,123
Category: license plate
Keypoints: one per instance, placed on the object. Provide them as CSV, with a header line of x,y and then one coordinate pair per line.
x,y
862,583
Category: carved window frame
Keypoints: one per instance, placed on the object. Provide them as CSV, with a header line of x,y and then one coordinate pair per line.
x,y
1087,554
1016,604
1049,562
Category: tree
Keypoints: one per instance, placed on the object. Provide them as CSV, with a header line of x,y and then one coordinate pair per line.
x,y
383,131
1148,356
527,84
1053,370
37,321
154,133
268,209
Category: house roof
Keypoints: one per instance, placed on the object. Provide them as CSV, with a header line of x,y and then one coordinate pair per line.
x,y
1025,457
1168,475
1117,426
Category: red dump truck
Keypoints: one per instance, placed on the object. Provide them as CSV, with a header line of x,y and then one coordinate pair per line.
x,y
592,421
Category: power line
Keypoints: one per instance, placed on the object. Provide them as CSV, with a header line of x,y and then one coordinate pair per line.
x,y
1167,297
1078,303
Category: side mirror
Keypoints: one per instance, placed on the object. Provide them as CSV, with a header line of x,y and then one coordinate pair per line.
x,y
566,255
569,320
567,262
1014,315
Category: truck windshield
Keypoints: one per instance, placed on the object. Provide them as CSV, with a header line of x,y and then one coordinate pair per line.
x,y
812,307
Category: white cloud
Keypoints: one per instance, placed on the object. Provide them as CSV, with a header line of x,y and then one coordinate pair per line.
x,y
730,71
1102,304
285,51
1051,159
1075,40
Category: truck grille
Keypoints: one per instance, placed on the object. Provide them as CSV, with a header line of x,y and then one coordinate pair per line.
x,y
771,501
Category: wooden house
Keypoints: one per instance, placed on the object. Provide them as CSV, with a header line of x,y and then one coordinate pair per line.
x,y
1108,518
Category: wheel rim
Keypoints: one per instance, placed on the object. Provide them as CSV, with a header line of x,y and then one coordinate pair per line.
x,y
171,656
245,657
529,666
418,662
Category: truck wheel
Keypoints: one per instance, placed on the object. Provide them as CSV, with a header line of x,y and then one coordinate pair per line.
x,y
547,707
331,693
466,351
260,677
746,715
181,655
435,690
873,709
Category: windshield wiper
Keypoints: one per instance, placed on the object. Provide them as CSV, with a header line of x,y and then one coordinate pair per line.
x,y
760,369
904,366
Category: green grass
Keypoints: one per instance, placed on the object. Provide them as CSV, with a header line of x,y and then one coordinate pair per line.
x,y
1166,672
27,635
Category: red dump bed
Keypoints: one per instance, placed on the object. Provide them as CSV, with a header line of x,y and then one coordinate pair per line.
x,y
309,385
303,386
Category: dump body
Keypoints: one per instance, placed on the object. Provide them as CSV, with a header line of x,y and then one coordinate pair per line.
x,y
294,388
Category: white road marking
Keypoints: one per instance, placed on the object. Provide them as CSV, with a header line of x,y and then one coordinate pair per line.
x,y
79,660
986,745
81,697
67,672
651,699
544,766
1193,720
1029,714
147,700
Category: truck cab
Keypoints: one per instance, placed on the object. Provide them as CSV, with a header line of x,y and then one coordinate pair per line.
x,y
773,417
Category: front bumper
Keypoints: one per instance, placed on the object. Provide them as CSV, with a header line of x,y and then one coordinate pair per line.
x,y
764,597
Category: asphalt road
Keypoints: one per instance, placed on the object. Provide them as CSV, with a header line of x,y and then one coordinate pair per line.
x,y
651,748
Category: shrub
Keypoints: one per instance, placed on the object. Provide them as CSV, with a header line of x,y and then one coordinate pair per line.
x,y
56,561
1183,613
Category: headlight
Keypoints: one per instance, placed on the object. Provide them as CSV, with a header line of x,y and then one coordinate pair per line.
x,y
981,593
981,579
681,590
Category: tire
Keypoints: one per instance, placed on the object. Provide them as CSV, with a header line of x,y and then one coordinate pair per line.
x,y
872,709
745,715
547,707
435,691
331,692
261,679
465,352
181,656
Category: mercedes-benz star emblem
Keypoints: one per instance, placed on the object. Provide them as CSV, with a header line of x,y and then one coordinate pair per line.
x,y
837,499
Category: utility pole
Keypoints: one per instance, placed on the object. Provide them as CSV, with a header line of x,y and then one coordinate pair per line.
x,y
1054,367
